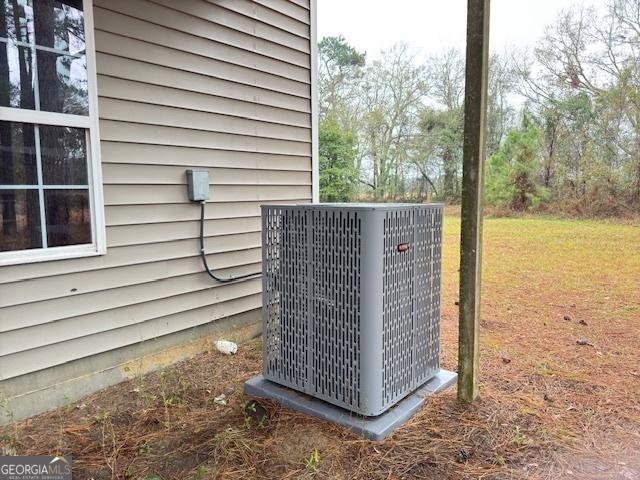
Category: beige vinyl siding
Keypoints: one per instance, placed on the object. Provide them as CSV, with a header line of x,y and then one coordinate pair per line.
x,y
135,112
135,254
302,3
122,89
298,11
113,299
219,85
200,157
268,14
150,74
120,131
232,56
173,175
221,14
119,45
25,362
177,16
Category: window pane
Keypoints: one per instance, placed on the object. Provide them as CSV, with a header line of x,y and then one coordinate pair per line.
x,y
17,154
16,76
63,151
63,83
19,220
68,217
16,20
60,25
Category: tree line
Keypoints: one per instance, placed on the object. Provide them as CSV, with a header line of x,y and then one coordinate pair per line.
x,y
563,119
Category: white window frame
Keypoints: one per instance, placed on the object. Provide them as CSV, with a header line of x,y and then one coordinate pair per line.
x,y
94,171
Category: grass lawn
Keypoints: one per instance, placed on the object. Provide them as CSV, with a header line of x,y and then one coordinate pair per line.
x,y
549,407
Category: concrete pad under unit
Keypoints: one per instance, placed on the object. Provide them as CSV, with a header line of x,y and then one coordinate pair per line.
x,y
373,428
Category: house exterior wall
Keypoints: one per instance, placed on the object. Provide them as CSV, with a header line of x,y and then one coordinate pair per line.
x,y
220,84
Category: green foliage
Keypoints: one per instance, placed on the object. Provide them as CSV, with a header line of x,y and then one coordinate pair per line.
x,y
441,137
340,52
340,66
398,121
338,175
202,471
313,460
512,171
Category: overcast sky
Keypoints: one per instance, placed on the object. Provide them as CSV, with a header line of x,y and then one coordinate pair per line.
x,y
433,25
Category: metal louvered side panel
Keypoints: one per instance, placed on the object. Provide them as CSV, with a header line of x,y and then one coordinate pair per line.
x,y
285,295
436,255
427,290
335,312
398,293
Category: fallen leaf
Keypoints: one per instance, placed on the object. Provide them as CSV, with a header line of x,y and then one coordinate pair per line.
x,y
221,400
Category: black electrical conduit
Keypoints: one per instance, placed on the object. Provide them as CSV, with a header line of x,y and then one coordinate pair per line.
x,y
203,255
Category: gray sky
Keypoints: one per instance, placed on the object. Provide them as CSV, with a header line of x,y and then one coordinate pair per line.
x,y
433,25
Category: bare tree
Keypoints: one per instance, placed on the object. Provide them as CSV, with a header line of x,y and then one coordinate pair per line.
x,y
392,94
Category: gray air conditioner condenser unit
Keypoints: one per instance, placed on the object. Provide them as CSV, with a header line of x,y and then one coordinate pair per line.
x,y
351,300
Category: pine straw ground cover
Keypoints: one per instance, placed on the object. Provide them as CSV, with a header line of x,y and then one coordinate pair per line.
x,y
549,407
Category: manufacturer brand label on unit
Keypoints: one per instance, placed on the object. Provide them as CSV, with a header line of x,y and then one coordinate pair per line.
x,y
403,247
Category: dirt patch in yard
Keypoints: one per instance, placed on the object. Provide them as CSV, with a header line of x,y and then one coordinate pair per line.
x,y
549,407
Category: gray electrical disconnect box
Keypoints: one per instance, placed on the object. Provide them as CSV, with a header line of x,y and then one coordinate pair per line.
x,y
351,300
198,185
